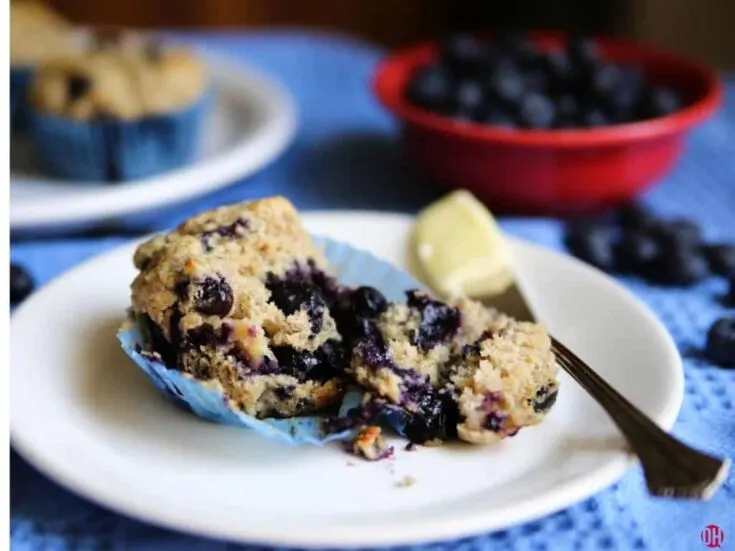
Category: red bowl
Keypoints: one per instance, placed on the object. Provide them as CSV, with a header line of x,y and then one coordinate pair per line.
x,y
552,171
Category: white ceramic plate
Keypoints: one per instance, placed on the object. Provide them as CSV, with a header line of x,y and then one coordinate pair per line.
x,y
82,414
251,121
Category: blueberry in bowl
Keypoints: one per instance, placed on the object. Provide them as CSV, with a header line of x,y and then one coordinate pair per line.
x,y
526,79
594,109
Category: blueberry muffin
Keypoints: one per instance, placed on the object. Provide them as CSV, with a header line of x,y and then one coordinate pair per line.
x,y
127,108
455,371
239,297
37,34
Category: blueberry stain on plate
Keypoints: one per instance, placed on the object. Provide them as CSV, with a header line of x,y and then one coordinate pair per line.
x,y
21,284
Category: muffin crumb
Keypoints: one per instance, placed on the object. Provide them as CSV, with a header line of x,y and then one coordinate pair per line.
x,y
406,482
370,444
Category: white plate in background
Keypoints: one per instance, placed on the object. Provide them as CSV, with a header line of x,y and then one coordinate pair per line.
x,y
84,415
251,121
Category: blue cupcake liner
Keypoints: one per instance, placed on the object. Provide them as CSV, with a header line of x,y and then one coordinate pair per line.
x,y
20,78
353,267
113,151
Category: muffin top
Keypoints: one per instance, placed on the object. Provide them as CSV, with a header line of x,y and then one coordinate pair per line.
x,y
37,33
119,80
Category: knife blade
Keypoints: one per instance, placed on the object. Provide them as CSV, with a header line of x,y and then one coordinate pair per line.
x,y
511,302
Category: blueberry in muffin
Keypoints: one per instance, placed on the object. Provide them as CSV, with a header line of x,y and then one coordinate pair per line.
x,y
238,298
126,108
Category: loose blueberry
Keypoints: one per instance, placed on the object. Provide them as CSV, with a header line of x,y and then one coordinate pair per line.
x,y
214,297
430,88
721,342
536,111
368,302
721,258
636,216
679,265
592,243
730,296
21,284
678,232
636,252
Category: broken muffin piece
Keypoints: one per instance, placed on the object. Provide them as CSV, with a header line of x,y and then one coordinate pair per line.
x,y
459,370
370,444
505,381
239,297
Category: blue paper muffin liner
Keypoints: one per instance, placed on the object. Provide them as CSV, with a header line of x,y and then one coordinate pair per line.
x,y
114,151
20,78
353,267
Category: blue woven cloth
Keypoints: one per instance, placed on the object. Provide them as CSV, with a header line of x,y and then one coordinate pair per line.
x,y
347,155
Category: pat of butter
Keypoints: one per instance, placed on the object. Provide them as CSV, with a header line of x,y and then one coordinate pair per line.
x,y
460,249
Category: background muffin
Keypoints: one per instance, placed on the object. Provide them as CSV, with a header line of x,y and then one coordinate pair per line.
x,y
37,34
125,109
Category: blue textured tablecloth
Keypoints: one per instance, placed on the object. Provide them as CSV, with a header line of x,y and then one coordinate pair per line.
x,y
346,155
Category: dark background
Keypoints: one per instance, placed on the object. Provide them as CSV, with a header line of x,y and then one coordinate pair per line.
x,y
701,29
